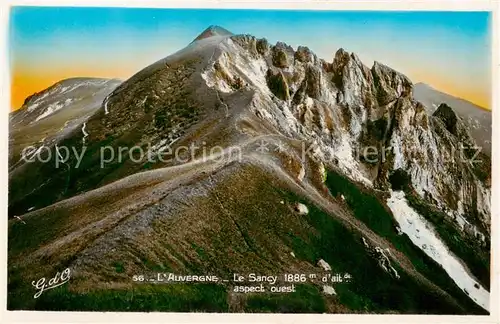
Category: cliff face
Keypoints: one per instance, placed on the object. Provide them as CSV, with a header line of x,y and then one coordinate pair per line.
x,y
365,120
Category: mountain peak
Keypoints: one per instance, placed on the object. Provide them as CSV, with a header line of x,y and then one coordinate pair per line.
x,y
213,30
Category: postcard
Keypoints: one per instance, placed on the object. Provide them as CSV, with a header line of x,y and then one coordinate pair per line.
x,y
250,160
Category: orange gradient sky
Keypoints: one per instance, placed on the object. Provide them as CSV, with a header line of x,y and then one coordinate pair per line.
x,y
450,51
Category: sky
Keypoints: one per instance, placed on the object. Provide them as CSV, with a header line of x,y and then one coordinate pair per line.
x,y
451,51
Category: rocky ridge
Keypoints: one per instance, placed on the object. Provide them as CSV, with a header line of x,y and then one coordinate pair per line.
x,y
343,107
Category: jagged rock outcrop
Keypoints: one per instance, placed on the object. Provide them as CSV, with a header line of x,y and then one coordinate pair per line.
x,y
313,81
280,59
262,46
389,84
304,54
344,107
448,117
454,124
278,84
282,55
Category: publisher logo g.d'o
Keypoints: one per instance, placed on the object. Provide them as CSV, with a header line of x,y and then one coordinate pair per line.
x,y
59,279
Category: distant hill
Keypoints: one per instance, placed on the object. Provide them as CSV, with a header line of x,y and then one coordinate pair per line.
x,y
477,118
50,115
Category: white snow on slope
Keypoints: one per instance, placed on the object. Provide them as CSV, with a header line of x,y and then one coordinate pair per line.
x,y
45,95
33,106
422,235
106,111
51,109
85,134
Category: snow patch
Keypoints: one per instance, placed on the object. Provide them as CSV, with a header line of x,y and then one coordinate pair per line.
x,y
42,97
106,111
421,233
52,108
161,146
33,106
65,89
85,134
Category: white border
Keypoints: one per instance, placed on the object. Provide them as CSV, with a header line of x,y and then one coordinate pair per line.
x,y
454,5
495,190
95,317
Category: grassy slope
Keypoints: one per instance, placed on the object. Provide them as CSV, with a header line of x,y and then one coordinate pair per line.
x,y
147,297
242,227
368,208
132,123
